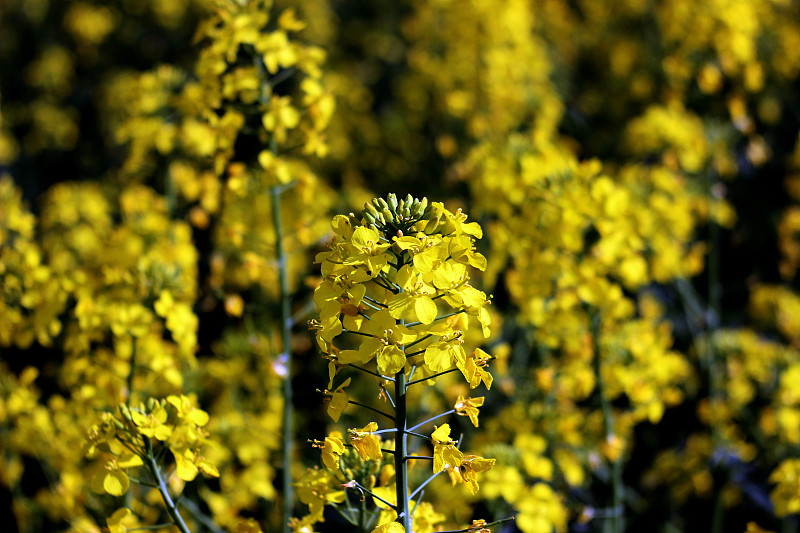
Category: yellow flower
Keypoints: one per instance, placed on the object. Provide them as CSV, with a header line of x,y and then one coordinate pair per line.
x,y
367,444
445,453
121,521
467,471
338,401
391,527
414,302
469,407
473,368
333,449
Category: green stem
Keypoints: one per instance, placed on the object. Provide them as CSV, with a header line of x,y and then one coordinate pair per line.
x,y
419,490
198,515
401,451
431,419
433,376
378,411
161,483
286,355
617,488
368,371
362,516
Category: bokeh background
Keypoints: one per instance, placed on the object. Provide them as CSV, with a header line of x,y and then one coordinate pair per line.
x,y
634,164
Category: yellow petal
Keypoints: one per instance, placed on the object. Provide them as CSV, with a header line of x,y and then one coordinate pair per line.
x,y
391,360
391,527
116,483
185,467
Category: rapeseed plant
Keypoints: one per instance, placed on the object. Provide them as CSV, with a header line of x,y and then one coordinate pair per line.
x,y
394,304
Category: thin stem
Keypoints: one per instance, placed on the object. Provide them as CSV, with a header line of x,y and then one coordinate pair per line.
x,y
617,489
198,515
349,508
374,301
286,355
426,457
368,371
382,284
162,488
393,287
362,488
143,483
354,332
281,76
431,419
389,396
416,504
448,315
362,516
372,306
365,406
426,337
433,376
418,489
409,432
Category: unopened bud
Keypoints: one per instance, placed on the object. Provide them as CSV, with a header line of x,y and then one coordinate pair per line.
x,y
368,207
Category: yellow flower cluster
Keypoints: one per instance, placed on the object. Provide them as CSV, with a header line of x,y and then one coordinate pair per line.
x,y
32,297
401,282
132,282
110,272
132,435
395,302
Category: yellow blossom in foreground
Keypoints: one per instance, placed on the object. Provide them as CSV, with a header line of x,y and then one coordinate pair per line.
x,y
367,444
469,407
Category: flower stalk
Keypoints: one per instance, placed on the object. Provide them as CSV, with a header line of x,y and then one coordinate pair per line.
x,y
286,359
617,516
161,484
393,279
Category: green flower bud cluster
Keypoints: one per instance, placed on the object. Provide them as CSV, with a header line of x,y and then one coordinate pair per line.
x,y
392,215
